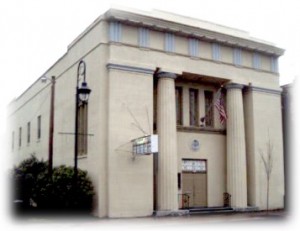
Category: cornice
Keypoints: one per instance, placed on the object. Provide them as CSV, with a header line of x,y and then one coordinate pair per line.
x,y
166,75
234,86
159,24
128,68
262,90
207,130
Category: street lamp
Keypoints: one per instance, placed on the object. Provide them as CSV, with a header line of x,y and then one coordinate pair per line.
x,y
82,95
51,123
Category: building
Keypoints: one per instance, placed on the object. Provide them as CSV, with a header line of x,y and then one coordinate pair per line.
x,y
160,73
288,113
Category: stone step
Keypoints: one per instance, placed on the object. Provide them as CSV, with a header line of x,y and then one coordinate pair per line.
x,y
208,210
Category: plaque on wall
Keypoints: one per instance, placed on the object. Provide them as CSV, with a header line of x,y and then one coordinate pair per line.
x,y
195,146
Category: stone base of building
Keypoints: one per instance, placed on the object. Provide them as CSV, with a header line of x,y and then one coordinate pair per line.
x,y
163,213
247,209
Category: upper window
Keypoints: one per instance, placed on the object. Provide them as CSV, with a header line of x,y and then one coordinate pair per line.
x,y
194,115
115,30
256,61
20,137
216,51
178,91
193,47
209,110
13,140
274,64
237,56
39,127
28,132
143,37
169,42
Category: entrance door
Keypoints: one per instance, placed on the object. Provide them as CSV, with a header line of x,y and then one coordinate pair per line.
x,y
194,184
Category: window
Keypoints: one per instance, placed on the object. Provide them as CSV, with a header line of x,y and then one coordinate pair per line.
x,y
274,64
169,42
115,30
193,95
193,47
20,137
82,128
256,61
28,133
12,140
178,92
143,37
237,56
216,51
39,124
209,109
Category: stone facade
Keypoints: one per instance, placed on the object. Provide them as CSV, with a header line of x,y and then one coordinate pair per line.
x,y
145,69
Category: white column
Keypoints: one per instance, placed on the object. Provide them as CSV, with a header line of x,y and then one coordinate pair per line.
x,y
236,149
167,192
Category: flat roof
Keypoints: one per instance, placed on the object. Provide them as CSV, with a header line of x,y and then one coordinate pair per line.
x,y
187,26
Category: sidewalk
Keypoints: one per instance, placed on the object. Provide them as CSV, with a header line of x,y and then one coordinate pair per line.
x,y
273,218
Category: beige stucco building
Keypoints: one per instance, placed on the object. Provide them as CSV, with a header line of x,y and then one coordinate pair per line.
x,y
159,73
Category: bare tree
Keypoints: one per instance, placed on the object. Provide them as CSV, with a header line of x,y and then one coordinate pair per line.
x,y
267,158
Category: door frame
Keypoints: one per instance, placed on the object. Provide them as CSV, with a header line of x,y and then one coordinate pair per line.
x,y
195,172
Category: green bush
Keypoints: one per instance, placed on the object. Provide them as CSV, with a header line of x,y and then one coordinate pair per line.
x,y
68,193
26,177
60,192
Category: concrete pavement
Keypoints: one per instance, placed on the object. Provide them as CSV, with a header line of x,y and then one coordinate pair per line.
x,y
245,220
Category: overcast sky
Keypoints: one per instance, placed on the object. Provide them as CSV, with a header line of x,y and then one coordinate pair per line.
x,y
36,33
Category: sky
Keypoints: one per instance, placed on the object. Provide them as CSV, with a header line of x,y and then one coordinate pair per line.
x,y
36,33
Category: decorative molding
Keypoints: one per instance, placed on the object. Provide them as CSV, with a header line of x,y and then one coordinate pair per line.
x,y
196,58
201,130
263,90
234,86
120,67
166,75
140,19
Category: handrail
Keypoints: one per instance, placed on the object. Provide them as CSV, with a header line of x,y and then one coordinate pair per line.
x,y
227,199
185,200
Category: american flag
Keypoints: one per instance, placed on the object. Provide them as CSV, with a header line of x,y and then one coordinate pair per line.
x,y
219,104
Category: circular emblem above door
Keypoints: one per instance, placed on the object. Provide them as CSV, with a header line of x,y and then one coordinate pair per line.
x,y
195,145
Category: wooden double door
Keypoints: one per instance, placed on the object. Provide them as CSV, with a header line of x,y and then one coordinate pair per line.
x,y
194,184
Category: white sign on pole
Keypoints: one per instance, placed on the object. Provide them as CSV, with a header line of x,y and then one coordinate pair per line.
x,y
145,145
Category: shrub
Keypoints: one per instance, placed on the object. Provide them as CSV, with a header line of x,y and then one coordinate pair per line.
x,y
26,177
68,193
60,192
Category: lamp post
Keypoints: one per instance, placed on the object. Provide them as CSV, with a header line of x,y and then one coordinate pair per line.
x,y
82,95
51,123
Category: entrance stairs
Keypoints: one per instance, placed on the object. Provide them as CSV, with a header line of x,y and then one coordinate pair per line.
x,y
213,210
210,210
